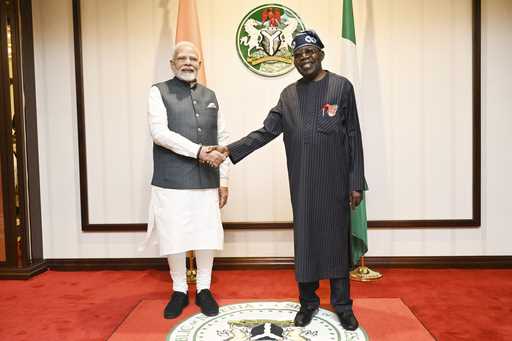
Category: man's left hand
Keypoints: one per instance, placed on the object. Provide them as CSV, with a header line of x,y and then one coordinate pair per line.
x,y
223,196
355,199
221,149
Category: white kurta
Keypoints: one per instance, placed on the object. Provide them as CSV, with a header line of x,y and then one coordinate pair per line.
x,y
184,219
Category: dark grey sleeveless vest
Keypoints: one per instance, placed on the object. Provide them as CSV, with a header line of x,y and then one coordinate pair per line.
x,y
192,113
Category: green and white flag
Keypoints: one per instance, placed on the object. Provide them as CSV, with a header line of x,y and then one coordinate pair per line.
x,y
349,69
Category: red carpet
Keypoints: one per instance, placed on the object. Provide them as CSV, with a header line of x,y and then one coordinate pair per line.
x,y
453,304
384,319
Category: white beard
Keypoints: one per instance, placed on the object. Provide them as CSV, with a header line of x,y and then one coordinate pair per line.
x,y
187,76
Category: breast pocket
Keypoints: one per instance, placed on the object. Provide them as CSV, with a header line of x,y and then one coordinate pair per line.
x,y
209,106
326,124
208,111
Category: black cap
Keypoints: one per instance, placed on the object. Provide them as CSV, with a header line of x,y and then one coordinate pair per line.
x,y
307,37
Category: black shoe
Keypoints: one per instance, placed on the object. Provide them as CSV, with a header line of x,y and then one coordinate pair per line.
x,y
176,304
348,320
304,316
206,302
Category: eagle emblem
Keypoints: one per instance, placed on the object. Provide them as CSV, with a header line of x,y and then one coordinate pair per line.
x,y
264,39
268,330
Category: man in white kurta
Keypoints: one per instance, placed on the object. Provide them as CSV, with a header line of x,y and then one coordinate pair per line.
x,y
187,190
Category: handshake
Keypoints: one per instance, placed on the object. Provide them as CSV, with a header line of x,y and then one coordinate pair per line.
x,y
213,156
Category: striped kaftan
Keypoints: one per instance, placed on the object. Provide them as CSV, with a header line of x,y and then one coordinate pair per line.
x,y
325,163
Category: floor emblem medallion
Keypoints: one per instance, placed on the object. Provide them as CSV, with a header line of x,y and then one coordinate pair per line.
x,y
263,321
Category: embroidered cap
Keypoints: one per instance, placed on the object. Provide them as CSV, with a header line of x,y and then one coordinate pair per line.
x,y
307,37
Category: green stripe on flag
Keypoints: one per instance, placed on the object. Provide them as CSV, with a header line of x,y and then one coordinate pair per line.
x,y
359,225
348,30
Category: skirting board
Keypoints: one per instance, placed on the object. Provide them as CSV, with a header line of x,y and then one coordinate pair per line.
x,y
255,263
249,263
26,272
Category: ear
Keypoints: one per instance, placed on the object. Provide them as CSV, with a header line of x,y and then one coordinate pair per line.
x,y
322,55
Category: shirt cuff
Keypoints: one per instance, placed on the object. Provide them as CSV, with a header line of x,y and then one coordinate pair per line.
x,y
224,182
198,151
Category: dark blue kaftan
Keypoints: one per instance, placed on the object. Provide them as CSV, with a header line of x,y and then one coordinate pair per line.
x,y
325,163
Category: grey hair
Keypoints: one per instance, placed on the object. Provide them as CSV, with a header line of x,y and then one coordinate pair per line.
x,y
182,44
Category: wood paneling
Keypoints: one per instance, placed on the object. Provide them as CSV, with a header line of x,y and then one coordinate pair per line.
x,y
254,263
21,213
3,256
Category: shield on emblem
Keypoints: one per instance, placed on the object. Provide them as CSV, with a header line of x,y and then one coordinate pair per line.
x,y
271,40
267,331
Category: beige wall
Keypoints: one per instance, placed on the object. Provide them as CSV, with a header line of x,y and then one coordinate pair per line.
x,y
417,138
59,151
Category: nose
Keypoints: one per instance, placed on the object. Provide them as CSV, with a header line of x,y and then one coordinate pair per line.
x,y
302,54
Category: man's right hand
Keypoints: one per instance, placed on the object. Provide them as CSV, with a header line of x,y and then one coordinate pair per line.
x,y
211,156
221,149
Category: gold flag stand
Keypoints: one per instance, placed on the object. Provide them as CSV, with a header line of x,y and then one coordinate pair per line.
x,y
364,274
191,268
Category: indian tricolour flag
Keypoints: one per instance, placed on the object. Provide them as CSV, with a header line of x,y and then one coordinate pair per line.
x,y
349,69
187,29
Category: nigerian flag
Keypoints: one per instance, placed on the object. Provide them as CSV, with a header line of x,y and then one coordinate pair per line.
x,y
349,70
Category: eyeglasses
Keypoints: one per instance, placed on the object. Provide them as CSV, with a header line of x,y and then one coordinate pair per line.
x,y
305,52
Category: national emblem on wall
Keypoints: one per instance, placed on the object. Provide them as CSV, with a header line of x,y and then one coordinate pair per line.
x,y
264,39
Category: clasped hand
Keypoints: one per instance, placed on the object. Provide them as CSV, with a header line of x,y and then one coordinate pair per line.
x,y
355,199
213,156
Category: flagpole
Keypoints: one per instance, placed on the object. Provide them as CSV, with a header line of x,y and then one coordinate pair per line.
x,y
364,274
187,29
191,268
359,222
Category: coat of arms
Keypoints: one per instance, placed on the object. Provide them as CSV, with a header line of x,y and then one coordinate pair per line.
x,y
264,39
262,321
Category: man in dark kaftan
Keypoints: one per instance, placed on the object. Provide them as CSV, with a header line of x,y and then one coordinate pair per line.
x,y
318,117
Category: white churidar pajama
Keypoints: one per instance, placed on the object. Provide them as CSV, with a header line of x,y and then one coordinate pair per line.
x,y
204,259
